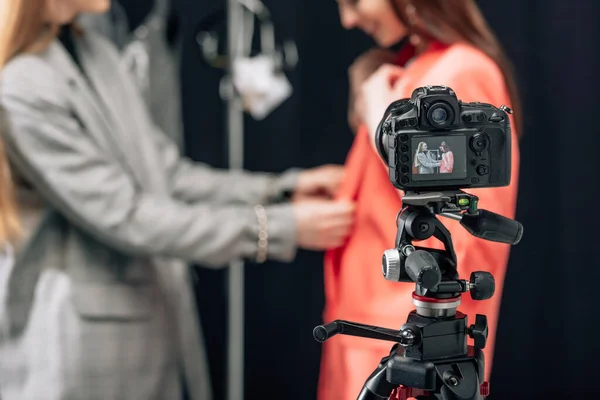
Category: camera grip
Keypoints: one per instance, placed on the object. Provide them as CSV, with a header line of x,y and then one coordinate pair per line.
x,y
493,227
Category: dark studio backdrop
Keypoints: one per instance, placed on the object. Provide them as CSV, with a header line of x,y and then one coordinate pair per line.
x,y
547,342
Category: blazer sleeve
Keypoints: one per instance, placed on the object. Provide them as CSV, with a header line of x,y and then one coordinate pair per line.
x,y
194,182
427,161
88,187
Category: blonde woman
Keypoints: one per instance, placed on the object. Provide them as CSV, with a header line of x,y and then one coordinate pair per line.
x,y
424,163
99,303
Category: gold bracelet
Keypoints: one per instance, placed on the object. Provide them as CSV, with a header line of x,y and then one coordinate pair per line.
x,y
263,234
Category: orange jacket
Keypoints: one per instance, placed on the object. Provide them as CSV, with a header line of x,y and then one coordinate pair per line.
x,y
354,286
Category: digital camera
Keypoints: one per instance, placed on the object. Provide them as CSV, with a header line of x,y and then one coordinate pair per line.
x,y
433,141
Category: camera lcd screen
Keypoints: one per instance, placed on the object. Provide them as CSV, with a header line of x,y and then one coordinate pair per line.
x,y
439,158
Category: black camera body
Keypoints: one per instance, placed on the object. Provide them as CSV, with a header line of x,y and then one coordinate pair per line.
x,y
433,141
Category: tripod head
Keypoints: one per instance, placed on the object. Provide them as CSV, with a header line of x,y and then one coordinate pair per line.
x,y
435,271
435,330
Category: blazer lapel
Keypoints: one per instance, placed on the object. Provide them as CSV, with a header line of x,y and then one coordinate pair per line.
x,y
124,106
90,107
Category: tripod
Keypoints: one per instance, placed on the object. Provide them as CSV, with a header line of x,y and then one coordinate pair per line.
x,y
431,358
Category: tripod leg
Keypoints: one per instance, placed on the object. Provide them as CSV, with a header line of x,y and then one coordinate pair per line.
x,y
405,393
376,386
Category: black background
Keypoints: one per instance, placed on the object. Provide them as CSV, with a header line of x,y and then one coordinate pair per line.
x,y
547,341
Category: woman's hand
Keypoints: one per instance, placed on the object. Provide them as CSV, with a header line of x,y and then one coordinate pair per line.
x,y
323,224
362,68
378,93
319,182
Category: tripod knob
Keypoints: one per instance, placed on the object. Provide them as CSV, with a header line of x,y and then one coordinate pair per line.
x,y
390,265
410,335
482,285
423,269
479,331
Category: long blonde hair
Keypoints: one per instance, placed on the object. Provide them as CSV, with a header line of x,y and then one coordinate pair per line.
x,y
419,150
22,29
9,220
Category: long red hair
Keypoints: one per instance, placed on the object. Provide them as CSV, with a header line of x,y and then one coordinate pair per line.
x,y
449,22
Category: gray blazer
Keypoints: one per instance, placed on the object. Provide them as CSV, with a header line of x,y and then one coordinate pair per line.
x,y
98,304
145,53
426,163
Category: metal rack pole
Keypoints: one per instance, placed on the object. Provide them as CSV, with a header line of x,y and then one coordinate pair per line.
x,y
235,137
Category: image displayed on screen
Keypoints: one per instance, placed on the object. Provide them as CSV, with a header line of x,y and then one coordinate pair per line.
x,y
439,157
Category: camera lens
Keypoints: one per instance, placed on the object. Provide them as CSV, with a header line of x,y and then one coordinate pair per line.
x,y
439,116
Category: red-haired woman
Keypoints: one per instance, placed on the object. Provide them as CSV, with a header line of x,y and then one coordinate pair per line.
x,y
449,44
